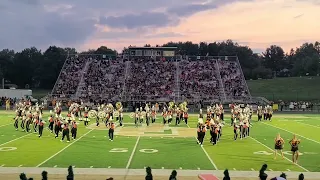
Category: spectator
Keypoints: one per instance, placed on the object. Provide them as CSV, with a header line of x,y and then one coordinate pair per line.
x,y
226,175
262,174
23,176
149,174
301,177
173,175
44,175
70,173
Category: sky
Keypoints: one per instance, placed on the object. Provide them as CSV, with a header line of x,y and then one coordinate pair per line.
x,y
89,24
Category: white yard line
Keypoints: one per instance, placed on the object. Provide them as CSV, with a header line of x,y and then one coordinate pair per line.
x,y
6,125
63,149
308,124
14,139
205,152
292,133
278,154
133,151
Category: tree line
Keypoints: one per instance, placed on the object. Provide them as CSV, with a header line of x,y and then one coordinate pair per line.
x,y
36,69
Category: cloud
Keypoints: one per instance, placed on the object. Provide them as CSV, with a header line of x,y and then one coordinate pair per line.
x,y
298,16
131,21
190,9
165,35
27,23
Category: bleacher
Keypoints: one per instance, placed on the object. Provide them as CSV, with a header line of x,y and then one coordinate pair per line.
x,y
144,79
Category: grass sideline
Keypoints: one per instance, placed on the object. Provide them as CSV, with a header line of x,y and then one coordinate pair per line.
x,y
288,88
160,151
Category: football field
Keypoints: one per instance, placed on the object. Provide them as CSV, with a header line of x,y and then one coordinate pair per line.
x,y
164,147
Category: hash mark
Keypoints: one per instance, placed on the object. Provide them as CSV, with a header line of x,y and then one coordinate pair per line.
x,y
162,167
91,166
270,169
109,167
2,135
14,135
234,169
252,169
161,137
265,139
2,165
180,168
288,170
20,165
144,167
55,166
198,168
94,136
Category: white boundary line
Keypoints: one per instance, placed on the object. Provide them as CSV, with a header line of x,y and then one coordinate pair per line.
x,y
308,124
205,152
278,154
6,125
292,133
15,139
64,148
133,151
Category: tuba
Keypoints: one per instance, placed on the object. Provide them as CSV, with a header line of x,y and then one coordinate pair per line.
x,y
92,114
118,105
102,114
132,115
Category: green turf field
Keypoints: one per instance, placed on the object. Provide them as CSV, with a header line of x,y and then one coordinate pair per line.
x,y
164,149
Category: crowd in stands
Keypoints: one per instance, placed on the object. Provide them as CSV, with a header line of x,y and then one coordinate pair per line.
x,y
149,79
232,79
199,80
70,76
104,79
146,79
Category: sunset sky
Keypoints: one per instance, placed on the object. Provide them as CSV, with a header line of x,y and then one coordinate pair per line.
x,y
85,24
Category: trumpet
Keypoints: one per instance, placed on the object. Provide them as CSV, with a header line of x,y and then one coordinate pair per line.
x,y
102,114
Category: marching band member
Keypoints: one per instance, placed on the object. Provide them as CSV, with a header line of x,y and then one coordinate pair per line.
x,y
278,146
65,132
16,119
111,126
235,130
211,127
136,118
121,118
29,121
35,121
148,117
245,127
74,129
69,117
153,114
185,115
164,115
201,131
259,113
178,112
265,112
23,121
57,126
51,123
169,116
221,113
41,124
294,142
86,120
269,113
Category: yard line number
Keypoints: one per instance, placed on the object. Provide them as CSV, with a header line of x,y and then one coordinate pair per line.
x,y
124,150
7,148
